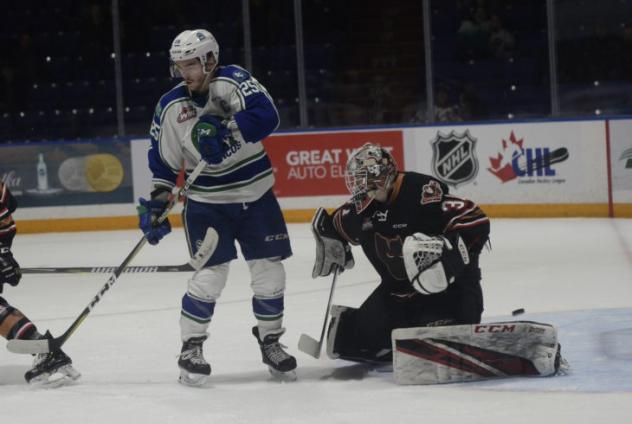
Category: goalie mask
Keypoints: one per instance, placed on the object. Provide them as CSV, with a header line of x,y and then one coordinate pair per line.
x,y
196,44
369,175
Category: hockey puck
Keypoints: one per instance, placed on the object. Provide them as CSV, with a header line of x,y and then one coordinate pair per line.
x,y
519,311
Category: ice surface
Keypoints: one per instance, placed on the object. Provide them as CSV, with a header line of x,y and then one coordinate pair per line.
x,y
573,273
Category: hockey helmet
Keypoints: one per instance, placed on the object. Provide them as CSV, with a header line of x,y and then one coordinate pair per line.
x,y
192,44
370,173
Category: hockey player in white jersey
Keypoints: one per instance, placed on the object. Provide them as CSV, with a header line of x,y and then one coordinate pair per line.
x,y
220,114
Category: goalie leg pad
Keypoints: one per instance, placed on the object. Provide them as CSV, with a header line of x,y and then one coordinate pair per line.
x,y
431,355
334,322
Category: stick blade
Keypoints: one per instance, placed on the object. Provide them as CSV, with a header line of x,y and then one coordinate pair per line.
x,y
309,345
30,347
206,249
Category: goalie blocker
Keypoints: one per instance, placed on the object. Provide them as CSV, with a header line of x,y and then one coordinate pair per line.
x,y
450,354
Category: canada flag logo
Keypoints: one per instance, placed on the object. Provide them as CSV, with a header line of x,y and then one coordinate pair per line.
x,y
515,160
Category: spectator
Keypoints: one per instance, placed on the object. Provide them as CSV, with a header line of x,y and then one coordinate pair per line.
x,y
473,35
444,111
501,41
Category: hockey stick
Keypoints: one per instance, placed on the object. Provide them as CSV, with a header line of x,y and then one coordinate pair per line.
x,y
308,344
53,344
206,249
107,269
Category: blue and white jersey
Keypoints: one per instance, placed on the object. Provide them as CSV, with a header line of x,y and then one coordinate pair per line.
x,y
245,174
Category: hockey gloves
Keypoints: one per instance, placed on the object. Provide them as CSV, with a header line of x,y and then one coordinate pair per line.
x,y
433,262
148,213
212,138
9,268
331,250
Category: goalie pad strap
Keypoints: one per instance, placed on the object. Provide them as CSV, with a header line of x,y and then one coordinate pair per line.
x,y
431,355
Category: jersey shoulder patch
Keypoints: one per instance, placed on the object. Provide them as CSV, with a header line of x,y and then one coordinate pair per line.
x,y
424,187
176,93
233,72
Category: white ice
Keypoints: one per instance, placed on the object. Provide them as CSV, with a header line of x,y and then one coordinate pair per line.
x,y
573,273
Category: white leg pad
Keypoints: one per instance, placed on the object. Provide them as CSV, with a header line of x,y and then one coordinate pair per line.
x,y
208,283
431,355
267,282
335,312
267,277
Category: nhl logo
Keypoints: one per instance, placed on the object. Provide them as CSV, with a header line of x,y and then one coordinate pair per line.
x,y
453,159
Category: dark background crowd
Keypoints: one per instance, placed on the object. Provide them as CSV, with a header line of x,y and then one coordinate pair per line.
x,y
364,61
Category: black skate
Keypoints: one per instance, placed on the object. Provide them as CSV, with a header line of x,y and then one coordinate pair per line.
x,y
280,363
52,369
194,370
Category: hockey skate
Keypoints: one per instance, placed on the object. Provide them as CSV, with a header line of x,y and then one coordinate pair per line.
x,y
194,370
281,364
52,369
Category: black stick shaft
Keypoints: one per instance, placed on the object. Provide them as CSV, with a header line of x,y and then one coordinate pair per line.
x,y
56,343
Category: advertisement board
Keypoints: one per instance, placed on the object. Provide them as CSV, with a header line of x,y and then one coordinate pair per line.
x,y
313,164
68,174
516,163
621,160
522,169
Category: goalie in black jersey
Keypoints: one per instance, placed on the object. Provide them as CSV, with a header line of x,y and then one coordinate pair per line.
x,y
48,368
423,242
425,314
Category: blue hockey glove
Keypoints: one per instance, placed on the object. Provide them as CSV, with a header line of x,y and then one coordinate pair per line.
x,y
148,213
212,138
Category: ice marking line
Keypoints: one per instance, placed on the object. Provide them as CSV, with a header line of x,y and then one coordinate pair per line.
x,y
229,302
627,250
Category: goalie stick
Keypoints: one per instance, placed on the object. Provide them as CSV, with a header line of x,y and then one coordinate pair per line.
x,y
53,344
308,344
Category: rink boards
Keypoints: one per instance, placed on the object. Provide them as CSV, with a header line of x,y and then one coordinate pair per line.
x,y
512,169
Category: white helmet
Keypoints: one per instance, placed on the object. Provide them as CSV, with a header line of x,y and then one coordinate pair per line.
x,y
197,43
370,172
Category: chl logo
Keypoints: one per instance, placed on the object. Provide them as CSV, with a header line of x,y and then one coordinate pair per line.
x,y
187,112
514,160
381,216
626,158
453,159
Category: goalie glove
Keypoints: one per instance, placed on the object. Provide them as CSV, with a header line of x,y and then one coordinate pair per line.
x,y
433,262
331,250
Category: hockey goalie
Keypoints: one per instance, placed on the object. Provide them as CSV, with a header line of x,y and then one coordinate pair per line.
x,y
425,315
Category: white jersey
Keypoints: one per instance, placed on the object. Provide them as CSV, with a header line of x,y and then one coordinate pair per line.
x,y
237,98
